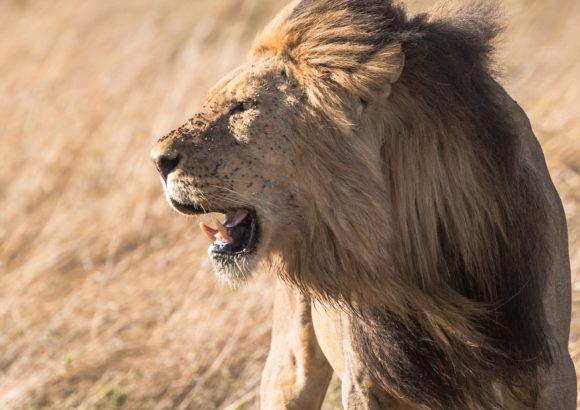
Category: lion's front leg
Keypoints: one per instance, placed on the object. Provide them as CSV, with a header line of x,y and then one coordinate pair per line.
x,y
297,374
358,390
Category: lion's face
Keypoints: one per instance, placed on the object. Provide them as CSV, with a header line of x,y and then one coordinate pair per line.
x,y
236,157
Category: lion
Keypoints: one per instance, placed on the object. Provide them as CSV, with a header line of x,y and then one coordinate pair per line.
x,y
374,164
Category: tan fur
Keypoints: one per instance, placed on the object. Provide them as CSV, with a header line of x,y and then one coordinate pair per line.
x,y
403,203
297,373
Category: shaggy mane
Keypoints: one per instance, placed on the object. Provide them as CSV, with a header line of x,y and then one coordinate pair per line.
x,y
420,219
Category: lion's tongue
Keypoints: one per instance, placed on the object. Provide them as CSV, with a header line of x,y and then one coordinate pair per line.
x,y
232,219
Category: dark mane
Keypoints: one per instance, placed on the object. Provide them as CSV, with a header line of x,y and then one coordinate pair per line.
x,y
447,64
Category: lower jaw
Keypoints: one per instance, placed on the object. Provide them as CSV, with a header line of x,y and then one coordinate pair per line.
x,y
233,269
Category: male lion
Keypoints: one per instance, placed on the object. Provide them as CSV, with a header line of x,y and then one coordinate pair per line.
x,y
402,200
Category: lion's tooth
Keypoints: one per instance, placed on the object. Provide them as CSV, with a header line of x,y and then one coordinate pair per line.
x,y
222,230
208,231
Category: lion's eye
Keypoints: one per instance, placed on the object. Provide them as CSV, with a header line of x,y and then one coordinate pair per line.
x,y
241,107
237,108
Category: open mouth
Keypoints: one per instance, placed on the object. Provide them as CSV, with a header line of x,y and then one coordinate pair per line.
x,y
235,236
234,241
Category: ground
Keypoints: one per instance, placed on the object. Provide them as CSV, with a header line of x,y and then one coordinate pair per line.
x,y
107,298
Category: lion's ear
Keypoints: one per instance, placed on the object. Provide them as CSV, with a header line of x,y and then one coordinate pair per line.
x,y
396,65
379,73
369,76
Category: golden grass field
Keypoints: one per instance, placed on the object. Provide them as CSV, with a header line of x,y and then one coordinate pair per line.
x,y
107,299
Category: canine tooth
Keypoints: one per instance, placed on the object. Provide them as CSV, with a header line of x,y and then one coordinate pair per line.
x,y
208,231
222,230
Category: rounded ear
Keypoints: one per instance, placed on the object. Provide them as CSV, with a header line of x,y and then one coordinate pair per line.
x,y
379,74
397,62
372,78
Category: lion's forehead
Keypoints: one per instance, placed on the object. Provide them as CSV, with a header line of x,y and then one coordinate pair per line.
x,y
247,82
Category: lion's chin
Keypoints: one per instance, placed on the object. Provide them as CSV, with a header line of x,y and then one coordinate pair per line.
x,y
233,269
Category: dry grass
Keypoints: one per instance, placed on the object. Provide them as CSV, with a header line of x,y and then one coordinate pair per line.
x,y
106,297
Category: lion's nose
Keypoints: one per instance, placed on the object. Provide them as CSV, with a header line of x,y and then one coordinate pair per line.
x,y
165,163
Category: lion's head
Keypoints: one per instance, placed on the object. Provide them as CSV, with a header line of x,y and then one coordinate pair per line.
x,y
237,157
286,147
367,153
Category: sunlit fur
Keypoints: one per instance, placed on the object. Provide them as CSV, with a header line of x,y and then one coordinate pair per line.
x,y
413,212
233,270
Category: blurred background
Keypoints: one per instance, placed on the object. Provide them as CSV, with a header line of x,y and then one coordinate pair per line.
x,y
107,299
